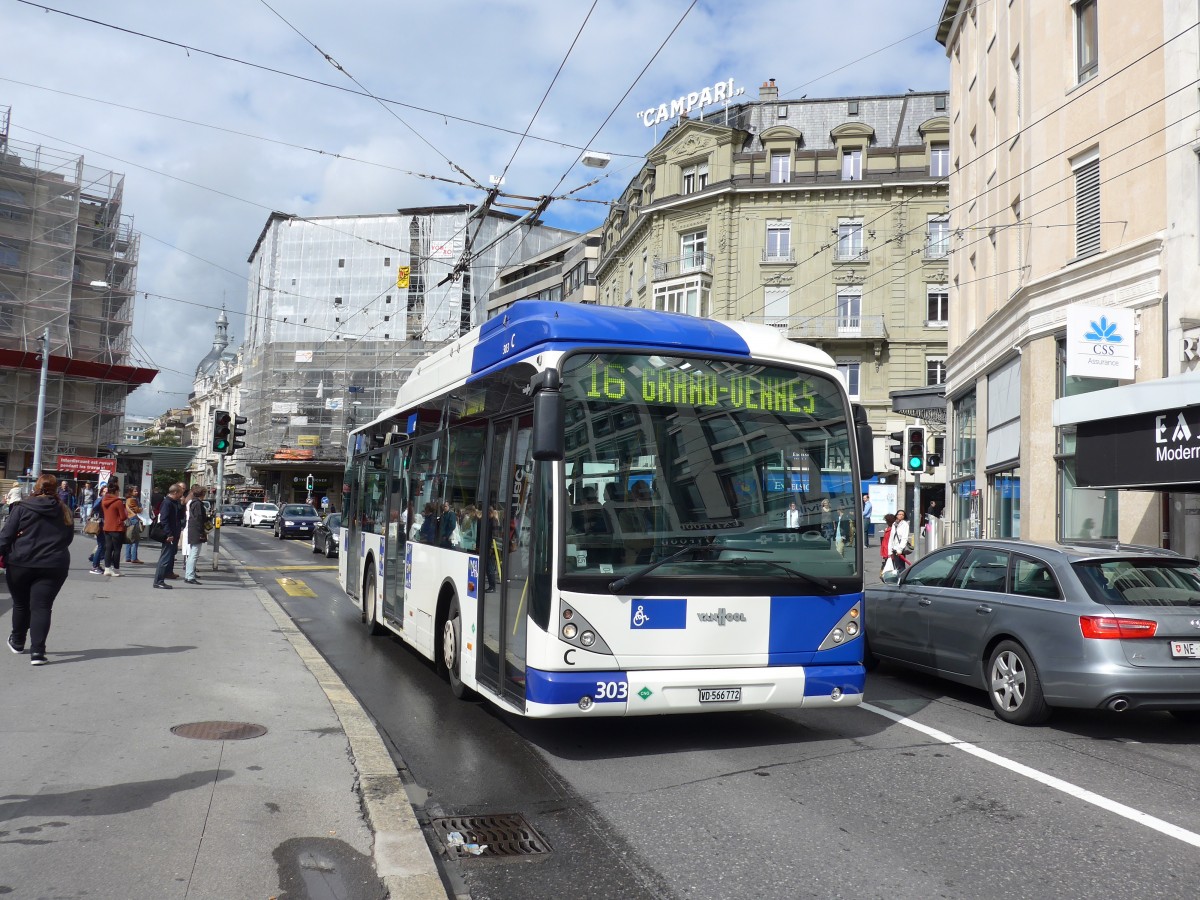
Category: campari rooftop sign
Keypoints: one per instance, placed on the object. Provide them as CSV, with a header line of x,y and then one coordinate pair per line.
x,y
721,92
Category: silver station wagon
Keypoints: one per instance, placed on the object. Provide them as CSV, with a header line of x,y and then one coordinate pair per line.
x,y
1045,625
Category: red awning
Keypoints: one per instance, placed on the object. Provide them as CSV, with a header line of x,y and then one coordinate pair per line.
x,y
78,368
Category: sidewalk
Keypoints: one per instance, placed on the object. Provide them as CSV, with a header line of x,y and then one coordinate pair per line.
x,y
99,798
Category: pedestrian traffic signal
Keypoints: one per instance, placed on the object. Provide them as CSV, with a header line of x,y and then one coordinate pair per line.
x,y
914,441
238,432
221,434
896,448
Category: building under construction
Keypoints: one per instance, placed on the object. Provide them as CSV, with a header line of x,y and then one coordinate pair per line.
x,y
68,264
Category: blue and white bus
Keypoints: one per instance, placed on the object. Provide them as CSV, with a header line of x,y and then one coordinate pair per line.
x,y
578,510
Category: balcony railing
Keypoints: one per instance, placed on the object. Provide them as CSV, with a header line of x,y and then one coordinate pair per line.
x,y
688,264
812,328
937,247
779,256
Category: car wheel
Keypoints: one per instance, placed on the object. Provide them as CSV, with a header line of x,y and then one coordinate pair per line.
x,y
371,605
330,548
452,651
1014,686
1190,716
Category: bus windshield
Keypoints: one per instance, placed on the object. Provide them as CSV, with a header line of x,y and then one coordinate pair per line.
x,y
737,470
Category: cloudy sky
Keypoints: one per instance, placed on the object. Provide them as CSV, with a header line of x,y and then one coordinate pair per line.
x,y
219,112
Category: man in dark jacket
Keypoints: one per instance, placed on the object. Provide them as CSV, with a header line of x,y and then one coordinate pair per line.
x,y
170,516
35,543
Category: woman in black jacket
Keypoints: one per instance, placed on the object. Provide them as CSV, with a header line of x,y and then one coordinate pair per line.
x,y
36,545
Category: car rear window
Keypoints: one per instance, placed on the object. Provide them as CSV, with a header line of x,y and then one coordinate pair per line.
x,y
1140,582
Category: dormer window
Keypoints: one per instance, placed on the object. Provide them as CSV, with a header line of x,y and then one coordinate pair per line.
x,y
852,159
695,178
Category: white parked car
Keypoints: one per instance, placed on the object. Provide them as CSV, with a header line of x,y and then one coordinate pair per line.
x,y
260,514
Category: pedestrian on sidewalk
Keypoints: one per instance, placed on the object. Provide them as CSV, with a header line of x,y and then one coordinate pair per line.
x,y
133,525
170,516
35,543
95,513
197,534
112,507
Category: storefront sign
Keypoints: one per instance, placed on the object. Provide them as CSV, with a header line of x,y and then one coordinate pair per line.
x,y
1100,342
308,440
1148,450
721,92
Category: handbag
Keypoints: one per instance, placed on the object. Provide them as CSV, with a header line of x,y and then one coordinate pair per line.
x,y
92,526
157,531
133,532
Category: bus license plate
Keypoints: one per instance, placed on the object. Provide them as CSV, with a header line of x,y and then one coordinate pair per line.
x,y
1179,649
720,695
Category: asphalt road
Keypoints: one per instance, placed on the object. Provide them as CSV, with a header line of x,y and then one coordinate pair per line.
x,y
920,793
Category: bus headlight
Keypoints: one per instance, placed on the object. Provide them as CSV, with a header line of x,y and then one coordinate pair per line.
x,y
837,635
848,628
852,628
587,638
569,631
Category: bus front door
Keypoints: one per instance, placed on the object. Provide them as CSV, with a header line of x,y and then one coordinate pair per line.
x,y
505,566
352,519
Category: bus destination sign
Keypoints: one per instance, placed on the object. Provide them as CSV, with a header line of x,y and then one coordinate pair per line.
x,y
683,384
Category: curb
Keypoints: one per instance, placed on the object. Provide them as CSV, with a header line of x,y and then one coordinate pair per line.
x,y
402,856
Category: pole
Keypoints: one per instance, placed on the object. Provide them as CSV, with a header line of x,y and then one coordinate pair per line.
x,y
918,521
217,507
40,427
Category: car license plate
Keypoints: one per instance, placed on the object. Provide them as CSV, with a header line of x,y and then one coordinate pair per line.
x,y
1185,649
720,695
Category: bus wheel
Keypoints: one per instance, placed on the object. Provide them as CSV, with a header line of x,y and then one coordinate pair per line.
x,y
371,605
452,651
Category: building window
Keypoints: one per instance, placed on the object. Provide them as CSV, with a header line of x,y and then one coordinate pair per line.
x,y
779,240
849,311
341,263
693,248
939,103
935,370
1086,40
781,112
850,372
852,165
337,301
1087,206
852,107
937,238
1083,513
850,238
939,160
1004,489
939,306
690,297
695,178
10,255
781,167
387,262
965,507
776,306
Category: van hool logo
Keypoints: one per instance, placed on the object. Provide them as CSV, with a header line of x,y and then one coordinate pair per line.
x,y
721,616
1175,448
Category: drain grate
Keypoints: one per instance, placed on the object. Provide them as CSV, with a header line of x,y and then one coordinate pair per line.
x,y
219,731
506,835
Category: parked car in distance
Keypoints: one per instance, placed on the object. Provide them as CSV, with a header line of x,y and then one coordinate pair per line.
x,y
1040,626
296,519
260,514
231,515
325,536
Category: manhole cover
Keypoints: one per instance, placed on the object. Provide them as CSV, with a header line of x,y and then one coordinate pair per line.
x,y
219,731
506,835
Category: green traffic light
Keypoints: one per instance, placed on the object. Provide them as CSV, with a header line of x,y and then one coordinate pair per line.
x,y
914,462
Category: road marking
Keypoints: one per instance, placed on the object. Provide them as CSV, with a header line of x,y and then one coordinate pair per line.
x,y
1128,812
289,568
294,587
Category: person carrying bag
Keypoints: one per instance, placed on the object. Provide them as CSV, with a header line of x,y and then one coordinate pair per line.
x,y
35,543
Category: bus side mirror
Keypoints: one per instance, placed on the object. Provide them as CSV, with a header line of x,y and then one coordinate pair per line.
x,y
865,440
548,417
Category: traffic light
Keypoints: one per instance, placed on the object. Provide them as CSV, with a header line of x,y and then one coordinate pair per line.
x,y
896,448
221,433
914,441
310,484
238,432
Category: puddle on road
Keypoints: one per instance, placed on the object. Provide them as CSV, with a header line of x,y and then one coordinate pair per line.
x,y
325,869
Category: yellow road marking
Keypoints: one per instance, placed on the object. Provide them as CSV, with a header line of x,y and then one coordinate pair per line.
x,y
294,587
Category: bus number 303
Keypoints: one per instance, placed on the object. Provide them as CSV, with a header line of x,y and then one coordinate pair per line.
x,y
612,690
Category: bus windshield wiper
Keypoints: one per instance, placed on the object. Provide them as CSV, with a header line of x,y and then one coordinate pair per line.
x,y
621,583
812,579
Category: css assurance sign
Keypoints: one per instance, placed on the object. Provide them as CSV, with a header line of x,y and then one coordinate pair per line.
x,y
1100,342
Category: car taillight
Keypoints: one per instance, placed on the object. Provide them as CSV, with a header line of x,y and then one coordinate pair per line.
x,y
1116,627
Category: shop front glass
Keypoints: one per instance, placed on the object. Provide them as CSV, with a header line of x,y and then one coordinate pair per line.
x,y
1004,504
1083,513
965,510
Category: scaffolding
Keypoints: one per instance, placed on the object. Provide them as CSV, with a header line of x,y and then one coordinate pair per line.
x,y
68,264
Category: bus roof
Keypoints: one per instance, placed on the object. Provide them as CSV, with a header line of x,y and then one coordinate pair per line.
x,y
535,326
